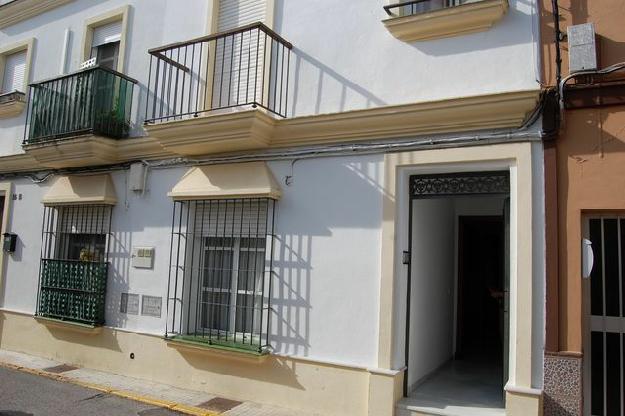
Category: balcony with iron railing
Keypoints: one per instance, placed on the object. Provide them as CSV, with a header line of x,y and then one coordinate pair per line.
x,y
418,20
227,83
95,101
72,290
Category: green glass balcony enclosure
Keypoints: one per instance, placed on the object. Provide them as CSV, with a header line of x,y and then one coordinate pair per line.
x,y
95,100
73,290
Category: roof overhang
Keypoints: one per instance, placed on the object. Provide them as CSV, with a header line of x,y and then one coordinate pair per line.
x,y
241,180
71,190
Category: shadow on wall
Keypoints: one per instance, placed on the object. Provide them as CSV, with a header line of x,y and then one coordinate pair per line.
x,y
119,272
274,370
592,151
105,339
303,62
2,319
485,40
290,300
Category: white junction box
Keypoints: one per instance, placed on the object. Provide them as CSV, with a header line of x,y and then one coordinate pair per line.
x,y
143,257
582,47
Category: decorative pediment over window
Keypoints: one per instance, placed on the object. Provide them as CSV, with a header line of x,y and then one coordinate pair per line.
x,y
240,180
95,189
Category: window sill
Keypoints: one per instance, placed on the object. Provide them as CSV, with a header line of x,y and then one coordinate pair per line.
x,y
12,105
452,21
85,329
230,351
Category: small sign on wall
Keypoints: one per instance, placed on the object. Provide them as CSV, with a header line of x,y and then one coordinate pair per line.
x,y
129,304
151,306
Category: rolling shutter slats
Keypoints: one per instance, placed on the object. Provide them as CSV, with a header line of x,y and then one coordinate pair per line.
x,y
233,14
110,32
14,70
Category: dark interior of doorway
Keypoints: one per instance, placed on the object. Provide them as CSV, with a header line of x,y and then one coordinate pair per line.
x,y
481,269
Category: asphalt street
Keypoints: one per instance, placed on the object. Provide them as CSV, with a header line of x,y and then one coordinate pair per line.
x,y
23,394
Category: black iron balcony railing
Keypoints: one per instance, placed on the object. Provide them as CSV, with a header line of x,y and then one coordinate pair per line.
x,y
408,8
73,290
91,101
248,66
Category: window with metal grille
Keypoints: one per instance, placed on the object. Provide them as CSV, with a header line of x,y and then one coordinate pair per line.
x,y
74,263
220,275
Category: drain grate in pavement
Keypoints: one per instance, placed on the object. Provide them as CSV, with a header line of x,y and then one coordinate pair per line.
x,y
58,369
219,404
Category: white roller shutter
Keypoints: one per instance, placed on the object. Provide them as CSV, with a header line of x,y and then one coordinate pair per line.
x,y
14,71
108,33
239,62
237,13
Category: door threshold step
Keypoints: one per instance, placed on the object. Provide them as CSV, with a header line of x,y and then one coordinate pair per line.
x,y
412,407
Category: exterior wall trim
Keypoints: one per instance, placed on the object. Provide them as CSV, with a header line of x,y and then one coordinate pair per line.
x,y
450,21
253,129
200,136
17,11
6,191
90,24
518,158
24,45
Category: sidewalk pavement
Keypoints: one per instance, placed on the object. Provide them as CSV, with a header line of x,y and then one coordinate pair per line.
x,y
184,401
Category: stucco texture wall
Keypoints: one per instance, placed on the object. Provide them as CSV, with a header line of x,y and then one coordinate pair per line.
x,y
591,178
588,159
326,260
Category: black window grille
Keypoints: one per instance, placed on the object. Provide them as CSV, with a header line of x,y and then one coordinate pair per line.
x,y
74,263
412,7
221,259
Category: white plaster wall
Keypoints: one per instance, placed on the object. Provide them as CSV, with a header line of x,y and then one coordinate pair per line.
x,y
432,287
152,23
343,57
326,262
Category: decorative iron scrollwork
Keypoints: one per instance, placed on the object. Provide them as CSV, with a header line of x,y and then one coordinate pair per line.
x,y
456,184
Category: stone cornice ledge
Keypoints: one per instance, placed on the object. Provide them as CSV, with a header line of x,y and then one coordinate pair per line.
x,y
450,21
19,10
254,129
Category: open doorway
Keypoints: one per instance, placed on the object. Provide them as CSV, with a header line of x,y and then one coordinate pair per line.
x,y
457,324
480,312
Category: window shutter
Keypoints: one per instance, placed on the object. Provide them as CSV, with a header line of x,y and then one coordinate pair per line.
x,y
237,13
14,71
238,55
232,218
108,33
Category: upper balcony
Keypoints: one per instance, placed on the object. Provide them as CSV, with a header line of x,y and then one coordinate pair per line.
x,y
419,20
90,106
219,92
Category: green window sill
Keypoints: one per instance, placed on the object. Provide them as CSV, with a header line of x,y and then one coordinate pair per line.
x,y
232,349
69,325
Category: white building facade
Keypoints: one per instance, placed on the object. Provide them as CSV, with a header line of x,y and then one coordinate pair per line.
x,y
246,195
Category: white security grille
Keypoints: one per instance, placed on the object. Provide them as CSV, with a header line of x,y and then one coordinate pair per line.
x,y
14,72
604,352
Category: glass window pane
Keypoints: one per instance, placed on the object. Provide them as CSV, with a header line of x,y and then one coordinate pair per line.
x,y
215,310
246,314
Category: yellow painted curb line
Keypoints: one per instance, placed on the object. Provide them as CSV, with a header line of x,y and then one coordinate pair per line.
x,y
178,407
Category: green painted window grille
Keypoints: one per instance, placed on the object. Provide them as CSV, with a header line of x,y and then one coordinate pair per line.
x,y
74,263
221,272
91,101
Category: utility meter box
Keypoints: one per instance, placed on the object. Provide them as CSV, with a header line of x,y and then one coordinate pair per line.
x,y
9,242
582,47
143,257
